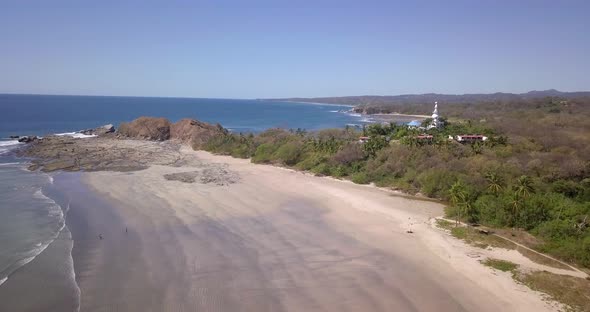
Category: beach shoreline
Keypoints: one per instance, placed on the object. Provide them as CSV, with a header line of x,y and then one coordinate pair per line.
x,y
185,230
262,238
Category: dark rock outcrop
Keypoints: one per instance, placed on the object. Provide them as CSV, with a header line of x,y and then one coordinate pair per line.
x,y
28,139
194,132
100,130
146,128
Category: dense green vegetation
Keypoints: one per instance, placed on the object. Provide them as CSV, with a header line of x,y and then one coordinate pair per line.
x,y
533,173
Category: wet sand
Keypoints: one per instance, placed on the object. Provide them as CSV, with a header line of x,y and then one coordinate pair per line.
x,y
44,284
271,240
110,272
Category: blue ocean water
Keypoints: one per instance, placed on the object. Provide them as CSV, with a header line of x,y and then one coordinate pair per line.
x,y
46,114
30,220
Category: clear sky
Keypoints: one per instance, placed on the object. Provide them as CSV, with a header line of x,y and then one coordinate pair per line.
x,y
253,49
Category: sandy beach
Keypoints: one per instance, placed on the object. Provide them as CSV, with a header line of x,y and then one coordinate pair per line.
x,y
246,237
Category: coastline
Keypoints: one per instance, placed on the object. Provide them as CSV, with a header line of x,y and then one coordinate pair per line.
x,y
47,281
310,103
399,115
272,240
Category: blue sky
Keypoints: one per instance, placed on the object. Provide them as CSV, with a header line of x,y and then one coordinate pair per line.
x,y
256,49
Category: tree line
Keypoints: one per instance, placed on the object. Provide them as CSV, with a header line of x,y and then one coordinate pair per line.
x,y
532,174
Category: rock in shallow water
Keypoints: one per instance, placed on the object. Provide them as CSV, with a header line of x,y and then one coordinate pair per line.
x,y
27,139
100,130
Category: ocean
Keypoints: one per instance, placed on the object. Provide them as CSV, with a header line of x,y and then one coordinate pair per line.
x,y
46,114
33,218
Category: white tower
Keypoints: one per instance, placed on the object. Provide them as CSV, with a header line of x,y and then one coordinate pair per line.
x,y
435,121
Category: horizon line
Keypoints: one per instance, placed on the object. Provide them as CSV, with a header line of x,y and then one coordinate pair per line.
x,y
284,98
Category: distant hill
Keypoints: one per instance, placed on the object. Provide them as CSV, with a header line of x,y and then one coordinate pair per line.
x,y
383,100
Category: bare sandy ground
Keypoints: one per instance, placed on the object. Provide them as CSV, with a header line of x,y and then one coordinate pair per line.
x,y
262,238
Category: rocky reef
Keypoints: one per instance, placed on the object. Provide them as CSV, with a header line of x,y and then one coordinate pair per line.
x,y
123,150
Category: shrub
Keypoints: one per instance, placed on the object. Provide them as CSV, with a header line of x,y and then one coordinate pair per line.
x,y
288,153
348,154
436,182
501,265
567,188
374,145
385,181
492,210
264,153
243,151
339,171
360,178
310,160
322,169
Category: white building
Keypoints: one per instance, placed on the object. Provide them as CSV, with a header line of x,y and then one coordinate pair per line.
x,y
471,138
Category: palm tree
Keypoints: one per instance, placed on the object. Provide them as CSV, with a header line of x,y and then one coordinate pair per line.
x,y
524,187
522,190
495,182
458,197
468,210
515,203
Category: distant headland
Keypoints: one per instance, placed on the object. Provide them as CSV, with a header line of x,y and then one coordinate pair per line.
x,y
431,97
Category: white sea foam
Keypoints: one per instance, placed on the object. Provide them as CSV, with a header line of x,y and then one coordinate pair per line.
x,y
10,143
35,251
39,195
354,115
10,164
54,209
70,262
28,257
76,135
6,146
334,111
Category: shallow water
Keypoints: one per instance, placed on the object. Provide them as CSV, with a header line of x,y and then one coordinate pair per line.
x,y
29,220
36,270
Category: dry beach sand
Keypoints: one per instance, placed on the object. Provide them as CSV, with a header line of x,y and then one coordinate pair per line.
x,y
213,233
